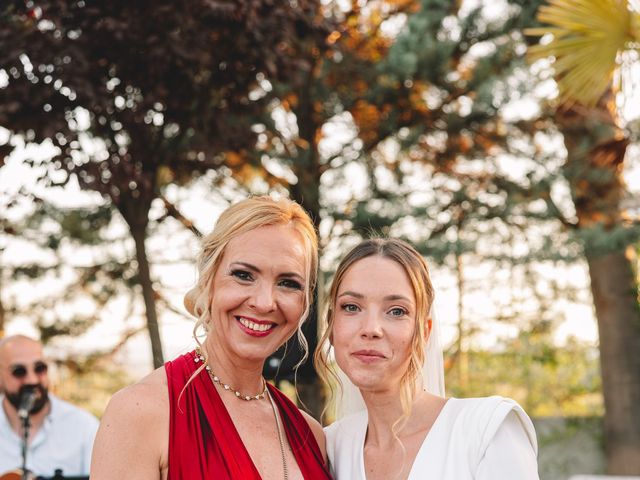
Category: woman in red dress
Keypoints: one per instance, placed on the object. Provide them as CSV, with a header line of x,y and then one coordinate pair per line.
x,y
209,414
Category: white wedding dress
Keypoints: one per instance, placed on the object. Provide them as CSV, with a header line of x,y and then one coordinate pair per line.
x,y
488,438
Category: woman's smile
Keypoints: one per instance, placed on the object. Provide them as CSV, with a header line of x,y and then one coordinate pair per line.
x,y
254,327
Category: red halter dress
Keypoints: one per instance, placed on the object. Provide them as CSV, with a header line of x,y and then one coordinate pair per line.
x,y
203,441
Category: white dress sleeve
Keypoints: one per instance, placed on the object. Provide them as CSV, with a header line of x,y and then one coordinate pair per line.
x,y
510,453
345,439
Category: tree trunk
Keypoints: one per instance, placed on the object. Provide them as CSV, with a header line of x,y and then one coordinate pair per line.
x,y
2,310
615,296
596,150
307,192
134,207
310,390
148,294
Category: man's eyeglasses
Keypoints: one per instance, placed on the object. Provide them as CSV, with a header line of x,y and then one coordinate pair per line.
x,y
19,371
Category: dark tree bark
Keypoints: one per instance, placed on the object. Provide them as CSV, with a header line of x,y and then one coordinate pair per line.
x,y
2,310
306,191
614,290
144,276
596,150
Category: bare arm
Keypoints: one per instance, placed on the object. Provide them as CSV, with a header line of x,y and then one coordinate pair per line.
x,y
132,441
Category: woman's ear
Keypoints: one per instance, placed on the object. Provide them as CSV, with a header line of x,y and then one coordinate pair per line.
x,y
428,327
190,301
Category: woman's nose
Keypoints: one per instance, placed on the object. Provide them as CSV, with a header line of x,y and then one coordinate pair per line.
x,y
263,299
371,325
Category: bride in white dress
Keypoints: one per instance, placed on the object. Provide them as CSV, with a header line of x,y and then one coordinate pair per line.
x,y
400,425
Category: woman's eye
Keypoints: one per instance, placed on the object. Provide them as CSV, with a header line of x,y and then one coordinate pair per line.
x,y
397,312
242,275
289,283
349,307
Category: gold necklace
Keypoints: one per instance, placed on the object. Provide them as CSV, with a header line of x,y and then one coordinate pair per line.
x,y
198,357
280,438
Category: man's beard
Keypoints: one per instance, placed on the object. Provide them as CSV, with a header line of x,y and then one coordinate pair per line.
x,y
38,405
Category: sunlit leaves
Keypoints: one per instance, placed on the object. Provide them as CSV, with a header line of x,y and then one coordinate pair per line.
x,y
367,118
587,36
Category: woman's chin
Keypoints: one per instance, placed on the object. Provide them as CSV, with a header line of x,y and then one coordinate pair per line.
x,y
251,353
365,381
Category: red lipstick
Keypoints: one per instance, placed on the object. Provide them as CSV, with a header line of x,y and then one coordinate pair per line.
x,y
254,327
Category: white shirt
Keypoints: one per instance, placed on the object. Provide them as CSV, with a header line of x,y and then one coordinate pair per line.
x,y
63,442
472,439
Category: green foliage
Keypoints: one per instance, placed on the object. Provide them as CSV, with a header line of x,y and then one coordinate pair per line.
x,y
598,240
548,380
84,225
74,264
91,389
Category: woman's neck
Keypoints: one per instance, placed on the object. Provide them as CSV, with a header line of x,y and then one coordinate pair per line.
x,y
241,374
385,409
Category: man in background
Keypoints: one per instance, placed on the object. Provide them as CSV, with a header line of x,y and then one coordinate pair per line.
x,y
61,435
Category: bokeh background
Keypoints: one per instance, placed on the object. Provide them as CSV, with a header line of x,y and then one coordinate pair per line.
x,y
499,137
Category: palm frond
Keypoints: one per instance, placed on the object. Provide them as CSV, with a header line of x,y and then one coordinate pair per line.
x,y
587,36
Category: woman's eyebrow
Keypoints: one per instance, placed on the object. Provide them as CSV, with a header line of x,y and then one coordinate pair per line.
x,y
397,297
292,274
253,268
351,293
392,297
247,266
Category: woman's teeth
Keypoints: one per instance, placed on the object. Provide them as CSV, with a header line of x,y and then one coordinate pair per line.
x,y
257,327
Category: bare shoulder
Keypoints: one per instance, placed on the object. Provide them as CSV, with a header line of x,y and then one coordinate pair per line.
x,y
318,432
145,400
134,431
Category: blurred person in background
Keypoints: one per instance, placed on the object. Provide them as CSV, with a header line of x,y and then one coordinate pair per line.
x,y
210,414
397,423
60,435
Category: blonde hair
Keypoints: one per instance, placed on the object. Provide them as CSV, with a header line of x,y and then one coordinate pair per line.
x,y
416,269
239,218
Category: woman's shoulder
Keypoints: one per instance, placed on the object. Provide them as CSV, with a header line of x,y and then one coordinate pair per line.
x,y
479,419
481,405
485,409
146,398
345,438
317,431
350,426
133,435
